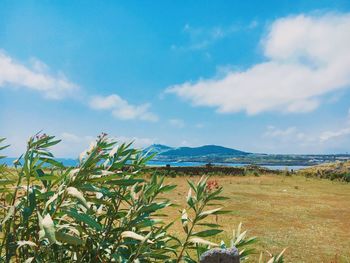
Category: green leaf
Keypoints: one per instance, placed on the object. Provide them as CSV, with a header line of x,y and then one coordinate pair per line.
x,y
45,178
208,225
157,256
69,239
105,178
52,162
6,181
191,184
167,188
49,144
123,182
188,259
126,182
84,218
190,200
27,211
4,147
208,233
154,207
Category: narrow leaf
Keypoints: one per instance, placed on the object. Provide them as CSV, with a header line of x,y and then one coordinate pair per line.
x,y
84,218
197,240
207,233
69,239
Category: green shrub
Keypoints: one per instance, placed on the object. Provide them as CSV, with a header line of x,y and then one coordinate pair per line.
x,y
347,177
172,174
103,210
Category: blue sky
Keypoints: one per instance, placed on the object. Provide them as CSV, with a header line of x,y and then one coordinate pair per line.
x,y
260,76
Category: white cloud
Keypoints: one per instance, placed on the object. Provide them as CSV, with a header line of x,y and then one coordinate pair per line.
x,y
339,134
121,109
329,140
307,57
72,138
37,77
290,133
331,135
16,75
178,123
287,140
71,145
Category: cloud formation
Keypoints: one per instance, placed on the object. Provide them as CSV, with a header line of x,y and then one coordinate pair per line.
x,y
284,134
307,57
331,135
321,140
37,77
16,75
121,109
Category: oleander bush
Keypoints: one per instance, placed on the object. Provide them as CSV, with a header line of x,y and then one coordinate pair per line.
x,y
103,210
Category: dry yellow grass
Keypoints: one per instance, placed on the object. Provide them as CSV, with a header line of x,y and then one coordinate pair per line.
x,y
309,216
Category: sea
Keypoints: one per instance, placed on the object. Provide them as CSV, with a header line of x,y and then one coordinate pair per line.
x,y
74,162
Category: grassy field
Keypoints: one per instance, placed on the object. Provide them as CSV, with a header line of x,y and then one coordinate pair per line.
x,y
309,216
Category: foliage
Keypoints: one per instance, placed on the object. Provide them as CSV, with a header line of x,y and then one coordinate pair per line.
x,y
273,259
199,197
103,210
2,157
241,241
338,170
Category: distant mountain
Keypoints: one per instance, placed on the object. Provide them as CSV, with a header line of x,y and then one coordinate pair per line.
x,y
202,151
158,148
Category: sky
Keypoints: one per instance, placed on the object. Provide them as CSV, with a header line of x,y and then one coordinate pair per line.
x,y
259,76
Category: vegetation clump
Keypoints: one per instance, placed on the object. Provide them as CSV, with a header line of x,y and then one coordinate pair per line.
x,y
333,171
103,210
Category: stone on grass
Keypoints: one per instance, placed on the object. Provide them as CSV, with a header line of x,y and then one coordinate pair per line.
x,y
219,255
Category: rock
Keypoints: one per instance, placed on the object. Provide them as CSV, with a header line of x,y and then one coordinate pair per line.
x,y
219,255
